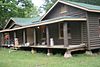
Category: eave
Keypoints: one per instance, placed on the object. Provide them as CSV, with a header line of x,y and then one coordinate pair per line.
x,y
51,21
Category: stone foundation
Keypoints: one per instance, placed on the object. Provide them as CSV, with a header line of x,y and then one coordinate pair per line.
x,y
67,54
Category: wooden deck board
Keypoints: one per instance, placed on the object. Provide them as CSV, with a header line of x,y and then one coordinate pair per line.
x,y
70,47
59,46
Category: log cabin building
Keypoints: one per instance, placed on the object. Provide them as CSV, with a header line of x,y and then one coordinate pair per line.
x,y
66,25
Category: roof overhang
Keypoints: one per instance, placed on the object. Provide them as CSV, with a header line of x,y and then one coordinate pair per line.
x,y
45,23
7,23
11,26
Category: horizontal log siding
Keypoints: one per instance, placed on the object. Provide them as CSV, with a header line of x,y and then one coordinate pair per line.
x,y
70,11
93,29
55,12
84,32
54,33
76,33
75,12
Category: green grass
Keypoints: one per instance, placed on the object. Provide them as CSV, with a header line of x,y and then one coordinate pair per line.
x,y
26,59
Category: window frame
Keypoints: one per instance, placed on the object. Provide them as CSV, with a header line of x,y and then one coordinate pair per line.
x,y
59,29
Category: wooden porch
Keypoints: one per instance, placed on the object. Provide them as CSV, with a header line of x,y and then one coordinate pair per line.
x,y
59,35
67,35
56,46
49,49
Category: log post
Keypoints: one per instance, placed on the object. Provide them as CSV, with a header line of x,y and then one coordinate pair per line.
x,y
65,30
34,37
89,52
47,36
48,41
49,52
8,39
2,39
14,34
82,39
33,51
67,54
24,36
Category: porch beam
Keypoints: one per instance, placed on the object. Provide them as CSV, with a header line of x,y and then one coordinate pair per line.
x,y
24,40
34,31
47,36
65,30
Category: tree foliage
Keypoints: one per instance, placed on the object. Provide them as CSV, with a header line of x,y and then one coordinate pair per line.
x,y
16,8
48,4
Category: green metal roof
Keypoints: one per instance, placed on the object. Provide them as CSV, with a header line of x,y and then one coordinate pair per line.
x,y
88,6
25,21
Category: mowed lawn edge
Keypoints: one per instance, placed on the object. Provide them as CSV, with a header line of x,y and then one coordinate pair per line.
x,y
27,59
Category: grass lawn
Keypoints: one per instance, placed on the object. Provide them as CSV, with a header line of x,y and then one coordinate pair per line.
x,y
26,59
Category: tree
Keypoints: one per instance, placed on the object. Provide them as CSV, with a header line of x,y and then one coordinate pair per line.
x,y
16,8
48,4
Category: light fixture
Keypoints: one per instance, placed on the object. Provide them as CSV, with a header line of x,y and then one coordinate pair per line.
x,y
38,27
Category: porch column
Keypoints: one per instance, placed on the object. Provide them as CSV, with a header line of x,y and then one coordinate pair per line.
x,y
82,33
47,36
2,39
65,34
9,38
34,36
14,34
24,40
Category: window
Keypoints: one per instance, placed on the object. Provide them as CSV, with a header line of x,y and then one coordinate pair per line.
x,y
61,34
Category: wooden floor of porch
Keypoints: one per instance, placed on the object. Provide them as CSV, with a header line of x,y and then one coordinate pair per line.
x,y
70,47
